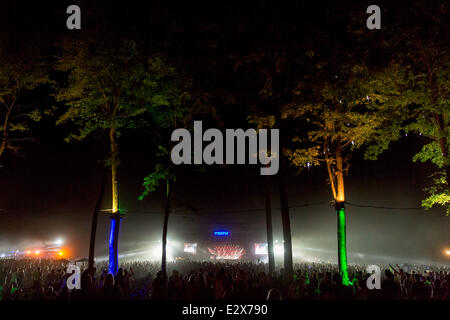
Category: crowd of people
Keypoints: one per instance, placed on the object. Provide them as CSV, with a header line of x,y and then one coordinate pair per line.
x,y
45,279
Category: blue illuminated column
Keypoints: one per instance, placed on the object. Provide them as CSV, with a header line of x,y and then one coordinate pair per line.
x,y
113,243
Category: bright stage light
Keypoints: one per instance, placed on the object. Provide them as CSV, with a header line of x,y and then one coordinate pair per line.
x,y
2,255
28,252
60,253
278,249
156,252
59,242
447,252
174,243
37,252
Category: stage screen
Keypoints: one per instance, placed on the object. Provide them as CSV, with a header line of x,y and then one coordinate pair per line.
x,y
261,248
190,248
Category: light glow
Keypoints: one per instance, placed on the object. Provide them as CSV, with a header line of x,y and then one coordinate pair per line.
x,y
342,247
227,252
156,252
278,249
113,238
261,249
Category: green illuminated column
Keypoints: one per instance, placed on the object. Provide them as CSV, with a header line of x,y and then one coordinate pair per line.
x,y
342,243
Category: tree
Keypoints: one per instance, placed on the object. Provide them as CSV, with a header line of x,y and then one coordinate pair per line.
x,y
268,209
150,184
336,116
97,209
179,114
329,102
415,88
269,66
21,73
418,112
110,88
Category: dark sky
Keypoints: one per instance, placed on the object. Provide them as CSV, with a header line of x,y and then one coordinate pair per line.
x,y
52,191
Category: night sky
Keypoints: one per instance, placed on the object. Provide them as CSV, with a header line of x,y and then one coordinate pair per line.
x,y
52,190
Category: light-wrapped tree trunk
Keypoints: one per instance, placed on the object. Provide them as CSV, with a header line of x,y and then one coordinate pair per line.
x,y
115,213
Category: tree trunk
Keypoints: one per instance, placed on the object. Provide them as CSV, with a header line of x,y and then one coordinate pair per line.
x,y
340,211
113,243
439,121
114,171
443,144
2,146
288,268
165,225
94,222
270,253
277,86
5,127
115,213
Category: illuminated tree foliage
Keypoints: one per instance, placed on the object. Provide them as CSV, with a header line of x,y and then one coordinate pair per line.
x,y
20,76
161,173
179,115
112,88
415,89
410,109
336,116
318,93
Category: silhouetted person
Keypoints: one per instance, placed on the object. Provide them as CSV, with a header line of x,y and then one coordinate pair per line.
x,y
159,287
175,287
390,288
419,290
110,290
